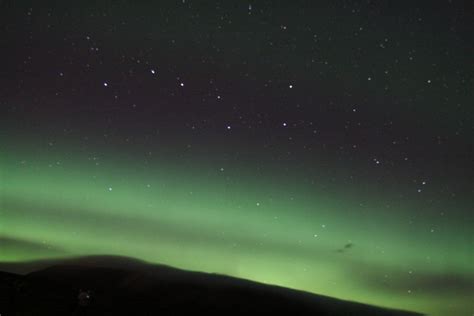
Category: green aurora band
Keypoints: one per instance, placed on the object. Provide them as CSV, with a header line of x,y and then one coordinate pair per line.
x,y
264,228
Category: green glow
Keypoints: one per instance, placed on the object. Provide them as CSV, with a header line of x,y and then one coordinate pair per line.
x,y
265,228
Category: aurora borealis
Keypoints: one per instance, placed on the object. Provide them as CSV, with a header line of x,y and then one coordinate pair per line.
x,y
326,149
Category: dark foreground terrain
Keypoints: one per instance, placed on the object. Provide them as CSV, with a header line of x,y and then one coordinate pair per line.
x,y
121,286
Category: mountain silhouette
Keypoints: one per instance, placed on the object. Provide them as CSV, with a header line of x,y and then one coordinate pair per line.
x,y
124,286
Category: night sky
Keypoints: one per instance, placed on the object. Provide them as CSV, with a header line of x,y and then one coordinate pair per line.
x,y
325,146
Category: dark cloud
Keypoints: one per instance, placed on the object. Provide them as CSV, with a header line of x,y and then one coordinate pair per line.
x,y
443,283
10,244
345,248
435,284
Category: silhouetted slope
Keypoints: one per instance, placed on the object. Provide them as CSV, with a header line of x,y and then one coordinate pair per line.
x,y
122,286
